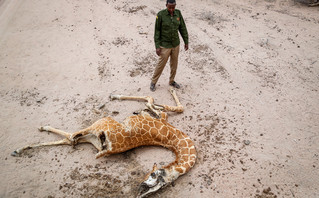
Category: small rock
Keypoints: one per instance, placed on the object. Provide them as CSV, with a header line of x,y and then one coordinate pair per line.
x,y
102,106
96,111
246,142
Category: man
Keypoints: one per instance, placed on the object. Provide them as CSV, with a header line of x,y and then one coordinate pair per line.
x,y
168,23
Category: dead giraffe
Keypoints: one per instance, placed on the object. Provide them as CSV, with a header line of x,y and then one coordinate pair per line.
x,y
150,127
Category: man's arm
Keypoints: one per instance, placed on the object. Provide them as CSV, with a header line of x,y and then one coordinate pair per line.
x,y
157,34
183,31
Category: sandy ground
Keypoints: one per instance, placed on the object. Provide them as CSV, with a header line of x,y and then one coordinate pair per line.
x,y
249,85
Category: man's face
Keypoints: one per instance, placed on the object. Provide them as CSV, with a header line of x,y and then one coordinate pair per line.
x,y
171,7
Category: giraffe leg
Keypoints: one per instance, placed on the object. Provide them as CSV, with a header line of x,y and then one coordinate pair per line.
x,y
179,108
89,138
71,137
155,108
123,97
75,136
173,92
59,142
82,136
150,102
56,131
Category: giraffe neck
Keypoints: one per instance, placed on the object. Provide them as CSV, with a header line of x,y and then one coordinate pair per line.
x,y
183,148
170,137
140,130
185,159
185,156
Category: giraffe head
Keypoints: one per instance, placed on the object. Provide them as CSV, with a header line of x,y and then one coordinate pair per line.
x,y
154,181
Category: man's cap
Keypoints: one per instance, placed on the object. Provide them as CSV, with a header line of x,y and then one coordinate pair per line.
x,y
170,1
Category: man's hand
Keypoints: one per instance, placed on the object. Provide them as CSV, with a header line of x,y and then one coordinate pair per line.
x,y
158,51
186,47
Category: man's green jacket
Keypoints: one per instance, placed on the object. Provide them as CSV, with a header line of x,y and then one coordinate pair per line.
x,y
167,27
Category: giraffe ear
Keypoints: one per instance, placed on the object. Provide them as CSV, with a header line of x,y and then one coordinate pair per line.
x,y
154,167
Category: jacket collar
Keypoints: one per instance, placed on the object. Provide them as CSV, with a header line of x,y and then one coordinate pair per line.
x,y
174,13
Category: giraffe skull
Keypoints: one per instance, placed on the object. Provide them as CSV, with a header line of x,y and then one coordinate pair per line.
x,y
154,182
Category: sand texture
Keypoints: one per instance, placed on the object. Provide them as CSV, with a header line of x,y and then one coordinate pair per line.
x,y
250,83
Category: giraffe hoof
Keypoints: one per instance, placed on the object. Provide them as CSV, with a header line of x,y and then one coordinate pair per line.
x,y
112,97
41,129
15,154
115,97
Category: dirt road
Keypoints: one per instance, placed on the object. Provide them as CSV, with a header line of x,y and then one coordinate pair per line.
x,y
249,87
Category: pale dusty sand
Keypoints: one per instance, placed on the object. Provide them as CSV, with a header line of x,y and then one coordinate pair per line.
x,y
252,73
